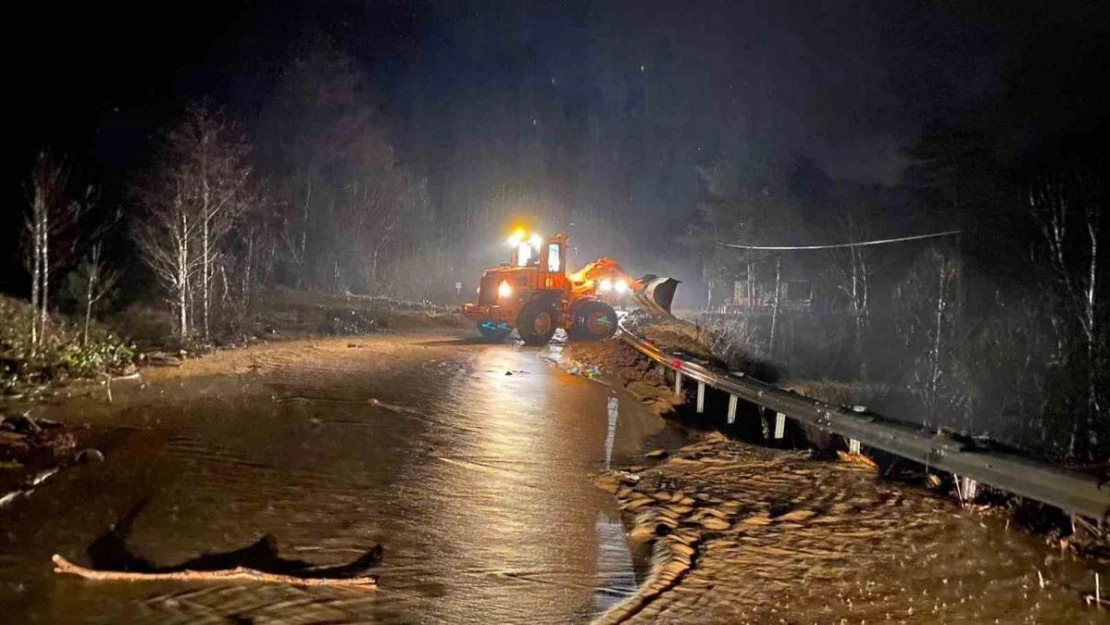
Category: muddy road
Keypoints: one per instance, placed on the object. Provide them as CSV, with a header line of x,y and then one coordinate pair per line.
x,y
471,464
475,467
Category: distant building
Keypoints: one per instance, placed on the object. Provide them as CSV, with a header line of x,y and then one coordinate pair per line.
x,y
797,292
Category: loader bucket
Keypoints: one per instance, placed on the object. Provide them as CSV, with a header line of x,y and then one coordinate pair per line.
x,y
657,295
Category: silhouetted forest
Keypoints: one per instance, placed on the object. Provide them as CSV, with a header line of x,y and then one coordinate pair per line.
x,y
999,331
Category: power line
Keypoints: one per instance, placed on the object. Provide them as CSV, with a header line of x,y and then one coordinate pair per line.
x,y
933,235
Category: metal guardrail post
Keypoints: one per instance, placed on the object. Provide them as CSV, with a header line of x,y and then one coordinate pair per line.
x,y
701,397
780,425
966,487
678,383
732,401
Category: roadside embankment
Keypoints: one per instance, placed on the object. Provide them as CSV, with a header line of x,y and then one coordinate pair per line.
x,y
1082,535
37,354
732,528
143,336
283,313
739,533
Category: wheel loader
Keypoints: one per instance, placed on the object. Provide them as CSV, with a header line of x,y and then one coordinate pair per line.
x,y
534,295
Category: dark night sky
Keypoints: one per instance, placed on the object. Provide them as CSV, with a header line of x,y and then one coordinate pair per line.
x,y
842,86
846,84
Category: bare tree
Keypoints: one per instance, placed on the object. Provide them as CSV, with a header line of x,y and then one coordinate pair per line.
x,y
99,281
249,252
216,174
1067,206
351,217
395,197
852,270
775,301
52,215
294,234
164,233
190,205
930,304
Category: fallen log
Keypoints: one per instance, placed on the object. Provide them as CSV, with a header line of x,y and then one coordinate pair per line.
x,y
65,567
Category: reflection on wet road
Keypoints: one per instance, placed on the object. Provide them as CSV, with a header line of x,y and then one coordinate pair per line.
x,y
471,465
612,552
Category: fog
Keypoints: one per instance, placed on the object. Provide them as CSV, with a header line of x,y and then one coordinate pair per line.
x,y
388,148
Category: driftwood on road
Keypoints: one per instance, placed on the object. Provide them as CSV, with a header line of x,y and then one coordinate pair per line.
x,y
112,560
63,566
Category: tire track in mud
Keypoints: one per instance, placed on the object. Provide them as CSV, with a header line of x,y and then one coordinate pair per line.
x,y
239,604
747,534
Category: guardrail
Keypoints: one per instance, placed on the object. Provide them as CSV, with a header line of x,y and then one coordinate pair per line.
x,y
1075,493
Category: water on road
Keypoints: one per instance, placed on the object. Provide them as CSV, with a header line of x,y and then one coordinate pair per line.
x,y
471,464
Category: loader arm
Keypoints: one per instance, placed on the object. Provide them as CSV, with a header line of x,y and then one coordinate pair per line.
x,y
653,294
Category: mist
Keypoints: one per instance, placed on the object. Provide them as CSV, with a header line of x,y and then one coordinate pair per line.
x,y
387,149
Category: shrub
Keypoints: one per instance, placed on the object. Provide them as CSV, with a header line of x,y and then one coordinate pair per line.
x,y
61,354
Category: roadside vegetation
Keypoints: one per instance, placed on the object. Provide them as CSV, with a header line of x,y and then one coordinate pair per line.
x,y
62,350
220,239
996,328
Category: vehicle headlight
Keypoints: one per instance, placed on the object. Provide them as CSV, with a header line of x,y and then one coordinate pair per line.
x,y
606,285
622,286
504,290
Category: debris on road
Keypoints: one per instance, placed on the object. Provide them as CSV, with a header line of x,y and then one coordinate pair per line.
x,y
857,459
112,560
89,455
585,371
728,526
65,567
163,359
32,451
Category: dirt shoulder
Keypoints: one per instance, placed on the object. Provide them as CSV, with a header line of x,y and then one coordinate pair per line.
x,y
738,533
743,533
622,366
272,356
77,422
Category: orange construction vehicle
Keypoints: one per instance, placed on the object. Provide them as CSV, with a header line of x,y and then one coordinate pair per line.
x,y
533,294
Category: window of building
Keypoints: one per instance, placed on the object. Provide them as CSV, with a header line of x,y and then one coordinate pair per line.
x,y
799,291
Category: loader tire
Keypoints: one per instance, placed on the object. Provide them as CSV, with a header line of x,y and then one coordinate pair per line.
x,y
536,323
594,321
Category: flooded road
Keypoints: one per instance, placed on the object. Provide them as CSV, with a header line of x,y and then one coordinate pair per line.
x,y
472,465
475,467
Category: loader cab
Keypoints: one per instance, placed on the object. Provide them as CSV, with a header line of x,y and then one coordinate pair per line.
x,y
553,256
533,251
524,254
536,269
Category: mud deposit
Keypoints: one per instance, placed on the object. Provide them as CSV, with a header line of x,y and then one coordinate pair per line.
x,y
476,468
744,534
472,465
